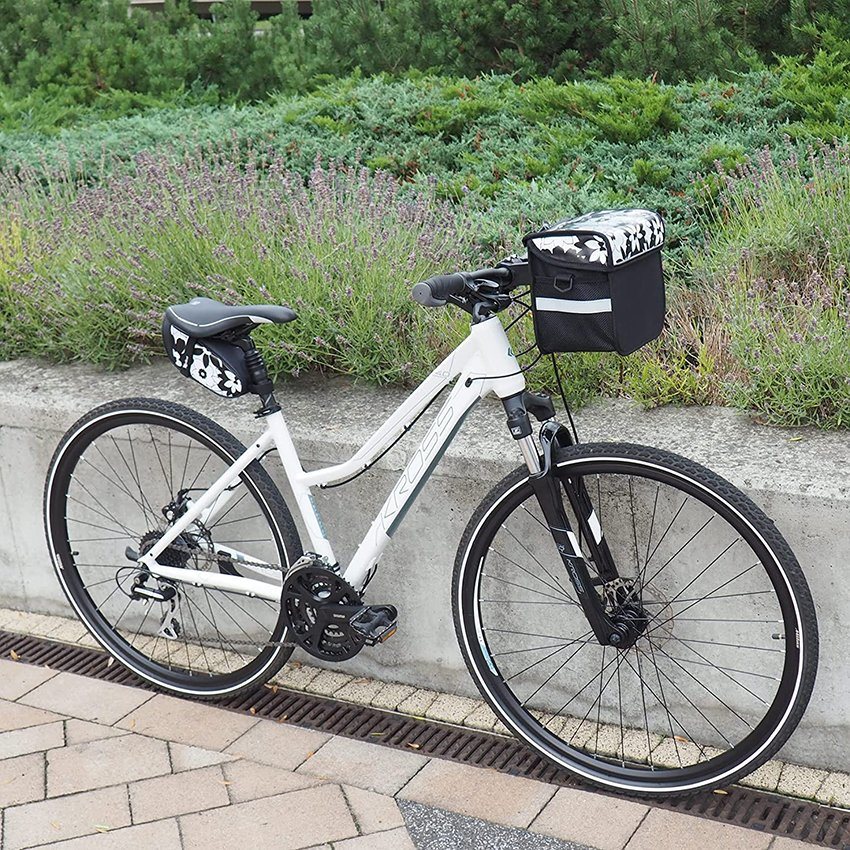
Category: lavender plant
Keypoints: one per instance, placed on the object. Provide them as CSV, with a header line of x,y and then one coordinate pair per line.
x,y
87,270
776,268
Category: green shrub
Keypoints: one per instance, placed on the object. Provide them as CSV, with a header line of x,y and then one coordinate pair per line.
x,y
673,41
777,264
85,274
516,154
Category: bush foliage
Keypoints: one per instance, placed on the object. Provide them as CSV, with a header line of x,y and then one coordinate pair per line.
x,y
61,59
516,154
138,168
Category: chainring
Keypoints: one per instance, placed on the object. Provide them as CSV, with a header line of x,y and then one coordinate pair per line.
x,y
318,604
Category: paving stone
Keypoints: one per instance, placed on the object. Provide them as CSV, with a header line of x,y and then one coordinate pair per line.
x,y
96,764
82,731
481,717
798,781
283,822
13,715
296,676
188,722
606,823
43,624
22,741
16,678
360,691
783,843
418,702
363,764
479,793
392,695
448,708
21,780
665,830
248,780
765,777
88,699
396,839
162,835
28,623
187,757
835,790
178,794
328,682
278,744
68,631
373,812
66,817
8,617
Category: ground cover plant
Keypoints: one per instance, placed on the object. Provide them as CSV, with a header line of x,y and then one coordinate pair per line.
x,y
760,320
776,268
515,154
138,169
87,272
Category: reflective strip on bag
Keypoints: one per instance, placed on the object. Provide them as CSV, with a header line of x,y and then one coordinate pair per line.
x,y
560,305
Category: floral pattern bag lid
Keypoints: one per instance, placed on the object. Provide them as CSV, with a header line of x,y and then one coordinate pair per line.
x,y
607,239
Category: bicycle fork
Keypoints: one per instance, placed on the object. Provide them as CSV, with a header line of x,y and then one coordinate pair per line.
x,y
615,631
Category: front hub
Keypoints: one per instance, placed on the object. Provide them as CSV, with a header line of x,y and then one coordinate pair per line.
x,y
630,622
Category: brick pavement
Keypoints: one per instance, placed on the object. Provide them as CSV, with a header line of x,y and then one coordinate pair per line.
x,y
89,764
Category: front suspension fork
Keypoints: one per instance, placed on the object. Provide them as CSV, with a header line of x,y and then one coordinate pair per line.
x,y
546,487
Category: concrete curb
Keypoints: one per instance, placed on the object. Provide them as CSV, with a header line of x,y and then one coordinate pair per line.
x,y
798,476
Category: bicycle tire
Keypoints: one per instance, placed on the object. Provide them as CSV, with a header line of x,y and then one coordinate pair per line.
x,y
619,773
222,444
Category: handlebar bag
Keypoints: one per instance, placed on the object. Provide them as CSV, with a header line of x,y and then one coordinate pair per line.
x,y
214,363
597,282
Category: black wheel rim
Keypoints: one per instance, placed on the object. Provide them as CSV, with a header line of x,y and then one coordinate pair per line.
x,y
621,764
241,651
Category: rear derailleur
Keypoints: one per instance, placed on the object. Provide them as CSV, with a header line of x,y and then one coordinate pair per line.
x,y
325,614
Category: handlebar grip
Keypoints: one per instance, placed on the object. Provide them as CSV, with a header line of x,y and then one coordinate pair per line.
x,y
434,291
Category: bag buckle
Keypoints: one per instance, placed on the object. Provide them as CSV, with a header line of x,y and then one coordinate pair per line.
x,y
564,284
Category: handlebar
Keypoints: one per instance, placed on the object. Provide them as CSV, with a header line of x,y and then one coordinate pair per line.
x,y
435,291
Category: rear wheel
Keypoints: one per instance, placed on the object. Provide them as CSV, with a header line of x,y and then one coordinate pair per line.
x,y
114,476
725,659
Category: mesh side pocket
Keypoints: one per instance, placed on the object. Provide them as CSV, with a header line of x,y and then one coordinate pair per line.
x,y
572,312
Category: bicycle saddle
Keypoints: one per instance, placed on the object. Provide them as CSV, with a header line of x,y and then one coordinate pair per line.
x,y
203,317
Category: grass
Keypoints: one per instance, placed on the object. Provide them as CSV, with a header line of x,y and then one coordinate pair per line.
x,y
758,318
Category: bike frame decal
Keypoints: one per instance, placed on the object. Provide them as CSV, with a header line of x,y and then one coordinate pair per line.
x,y
481,365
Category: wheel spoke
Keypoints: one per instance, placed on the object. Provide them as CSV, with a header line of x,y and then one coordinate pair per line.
x,y
117,476
667,541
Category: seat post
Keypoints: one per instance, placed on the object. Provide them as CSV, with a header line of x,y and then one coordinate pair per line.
x,y
261,384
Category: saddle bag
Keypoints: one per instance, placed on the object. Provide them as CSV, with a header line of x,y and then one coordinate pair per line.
x,y
215,364
597,282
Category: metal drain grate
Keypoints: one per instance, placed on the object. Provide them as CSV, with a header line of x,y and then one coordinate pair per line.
x,y
758,810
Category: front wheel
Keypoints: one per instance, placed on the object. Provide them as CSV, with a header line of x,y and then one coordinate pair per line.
x,y
726,654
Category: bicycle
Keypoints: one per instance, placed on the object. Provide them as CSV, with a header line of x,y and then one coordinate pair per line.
x,y
630,615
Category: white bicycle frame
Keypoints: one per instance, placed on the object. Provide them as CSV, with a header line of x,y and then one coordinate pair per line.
x,y
482,364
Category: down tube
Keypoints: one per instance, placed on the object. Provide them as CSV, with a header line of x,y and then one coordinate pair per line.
x,y
426,457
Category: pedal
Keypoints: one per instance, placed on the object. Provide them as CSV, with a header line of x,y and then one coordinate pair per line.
x,y
376,623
